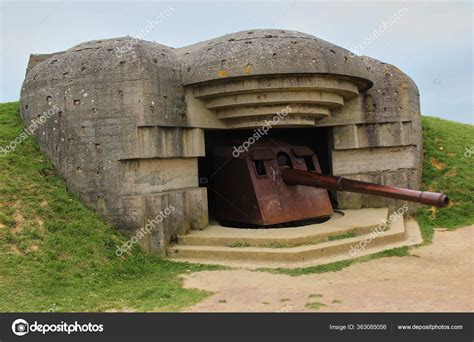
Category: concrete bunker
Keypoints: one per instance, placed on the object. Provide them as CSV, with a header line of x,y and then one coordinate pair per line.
x,y
132,130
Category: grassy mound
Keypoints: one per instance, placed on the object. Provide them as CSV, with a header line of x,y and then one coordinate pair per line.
x,y
57,255
447,167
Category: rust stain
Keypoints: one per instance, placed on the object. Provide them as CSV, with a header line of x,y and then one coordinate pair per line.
x,y
223,73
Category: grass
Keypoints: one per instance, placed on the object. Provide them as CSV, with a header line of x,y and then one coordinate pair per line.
x,y
350,234
347,235
338,265
315,295
238,244
315,305
446,169
57,255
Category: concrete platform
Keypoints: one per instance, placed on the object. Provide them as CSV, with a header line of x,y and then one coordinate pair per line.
x,y
334,240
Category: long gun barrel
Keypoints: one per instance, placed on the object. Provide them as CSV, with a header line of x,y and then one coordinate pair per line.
x,y
319,180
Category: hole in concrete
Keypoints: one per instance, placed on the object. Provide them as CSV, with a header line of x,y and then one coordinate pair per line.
x,y
94,111
60,114
83,68
122,62
155,60
26,106
48,98
334,52
208,167
188,69
249,42
77,102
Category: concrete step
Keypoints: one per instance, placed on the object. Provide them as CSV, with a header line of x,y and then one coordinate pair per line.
x,y
343,247
342,223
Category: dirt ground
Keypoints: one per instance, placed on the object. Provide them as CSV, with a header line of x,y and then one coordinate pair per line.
x,y
437,277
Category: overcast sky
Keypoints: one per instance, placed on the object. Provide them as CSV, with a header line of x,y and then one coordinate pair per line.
x,y
431,42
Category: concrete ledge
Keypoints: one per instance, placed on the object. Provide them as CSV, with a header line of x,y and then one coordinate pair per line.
x,y
343,222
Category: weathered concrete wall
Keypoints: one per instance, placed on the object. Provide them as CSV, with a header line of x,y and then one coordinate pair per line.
x,y
129,127
386,145
120,137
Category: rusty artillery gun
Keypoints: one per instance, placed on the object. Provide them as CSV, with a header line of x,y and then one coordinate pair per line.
x,y
274,183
